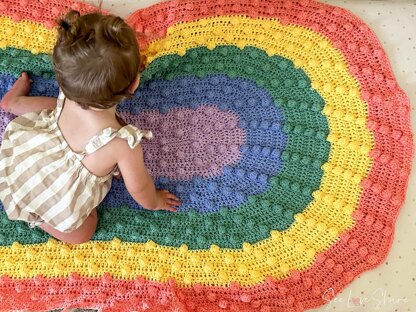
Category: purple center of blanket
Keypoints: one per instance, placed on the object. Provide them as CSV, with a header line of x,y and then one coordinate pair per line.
x,y
189,142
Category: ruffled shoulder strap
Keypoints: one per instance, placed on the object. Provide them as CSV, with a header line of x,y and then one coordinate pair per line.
x,y
59,103
130,133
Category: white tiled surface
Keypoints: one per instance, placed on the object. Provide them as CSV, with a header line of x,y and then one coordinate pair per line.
x,y
391,287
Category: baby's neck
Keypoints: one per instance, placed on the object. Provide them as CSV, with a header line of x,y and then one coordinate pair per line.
x,y
74,106
94,117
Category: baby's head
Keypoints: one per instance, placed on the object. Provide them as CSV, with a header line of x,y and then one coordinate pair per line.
x,y
96,59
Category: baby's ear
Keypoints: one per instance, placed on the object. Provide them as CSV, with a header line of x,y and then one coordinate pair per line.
x,y
134,85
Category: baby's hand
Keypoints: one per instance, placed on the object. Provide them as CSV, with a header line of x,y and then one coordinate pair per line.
x,y
166,201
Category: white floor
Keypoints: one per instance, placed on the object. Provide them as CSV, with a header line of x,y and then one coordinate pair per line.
x,y
391,287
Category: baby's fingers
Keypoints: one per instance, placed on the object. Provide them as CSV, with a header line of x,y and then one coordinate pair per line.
x,y
173,202
171,196
171,208
26,76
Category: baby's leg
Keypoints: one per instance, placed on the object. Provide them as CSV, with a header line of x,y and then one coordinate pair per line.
x,y
17,102
81,235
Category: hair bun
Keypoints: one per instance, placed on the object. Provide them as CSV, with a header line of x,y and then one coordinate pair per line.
x,y
68,22
113,30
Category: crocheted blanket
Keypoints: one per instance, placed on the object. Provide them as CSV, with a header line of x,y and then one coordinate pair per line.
x,y
280,126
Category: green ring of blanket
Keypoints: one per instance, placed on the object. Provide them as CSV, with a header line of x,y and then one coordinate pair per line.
x,y
15,61
264,215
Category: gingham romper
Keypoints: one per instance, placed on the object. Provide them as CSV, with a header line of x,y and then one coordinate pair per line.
x,y
43,180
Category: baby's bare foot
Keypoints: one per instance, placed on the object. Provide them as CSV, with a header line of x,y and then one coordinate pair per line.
x,y
20,88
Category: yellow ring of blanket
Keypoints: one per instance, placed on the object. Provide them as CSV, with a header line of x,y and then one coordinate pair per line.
x,y
26,35
314,230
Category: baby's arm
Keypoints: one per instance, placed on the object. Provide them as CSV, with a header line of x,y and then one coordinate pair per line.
x,y
139,183
17,102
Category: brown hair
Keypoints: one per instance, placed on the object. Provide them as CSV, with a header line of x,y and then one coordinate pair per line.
x,y
96,58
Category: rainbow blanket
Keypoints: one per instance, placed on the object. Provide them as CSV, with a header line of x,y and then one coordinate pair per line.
x,y
280,126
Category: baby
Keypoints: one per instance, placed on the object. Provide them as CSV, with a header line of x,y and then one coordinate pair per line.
x,y
57,159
